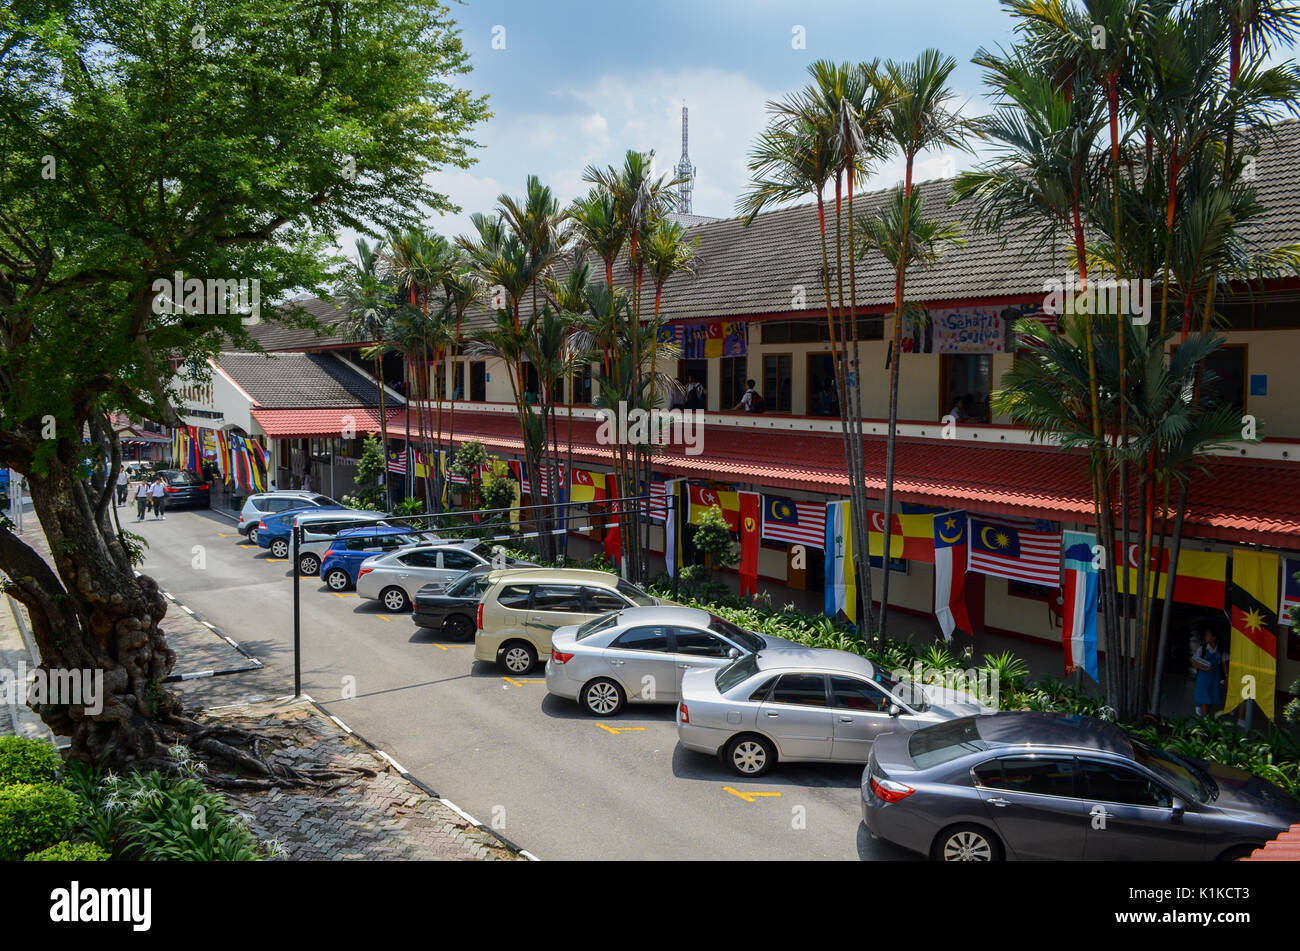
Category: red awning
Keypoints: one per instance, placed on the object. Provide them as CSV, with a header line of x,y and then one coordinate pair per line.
x,y
321,423
1250,501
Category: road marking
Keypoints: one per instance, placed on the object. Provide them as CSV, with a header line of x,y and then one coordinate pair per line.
x,y
227,534
342,594
242,545
517,683
447,647
383,617
616,730
750,796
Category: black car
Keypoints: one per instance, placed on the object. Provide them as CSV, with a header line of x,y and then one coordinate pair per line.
x,y
451,608
185,487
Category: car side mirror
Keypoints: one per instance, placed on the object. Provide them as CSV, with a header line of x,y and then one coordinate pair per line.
x,y
1177,811
895,709
732,653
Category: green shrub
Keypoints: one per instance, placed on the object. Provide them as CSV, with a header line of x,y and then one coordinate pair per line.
x,y
99,824
181,820
69,852
34,816
27,761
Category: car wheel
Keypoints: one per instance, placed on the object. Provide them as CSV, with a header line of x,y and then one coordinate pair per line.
x,y
518,657
602,698
394,599
279,548
750,755
337,579
967,843
457,627
308,565
252,535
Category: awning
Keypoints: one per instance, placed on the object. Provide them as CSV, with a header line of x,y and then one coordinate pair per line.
x,y
322,423
1247,501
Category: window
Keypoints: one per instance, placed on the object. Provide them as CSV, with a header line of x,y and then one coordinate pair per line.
x,y
600,602
515,596
582,384
1111,782
760,695
1228,385
699,643
804,690
944,742
738,636
736,673
458,381
968,378
588,628
817,330
1026,589
360,542
635,594
643,639
459,560
420,559
469,586
557,597
822,398
850,693
778,382
275,505
478,381
1043,775
732,382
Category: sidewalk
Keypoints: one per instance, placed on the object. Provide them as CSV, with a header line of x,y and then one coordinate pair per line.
x,y
17,653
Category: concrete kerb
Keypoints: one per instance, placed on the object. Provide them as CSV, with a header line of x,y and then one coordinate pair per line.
x,y
416,781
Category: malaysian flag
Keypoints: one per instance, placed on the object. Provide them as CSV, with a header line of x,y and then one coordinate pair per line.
x,y
802,523
397,461
544,473
658,500
1018,549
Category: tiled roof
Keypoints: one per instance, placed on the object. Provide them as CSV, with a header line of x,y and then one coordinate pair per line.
x,y
1239,500
1285,848
279,336
284,380
323,423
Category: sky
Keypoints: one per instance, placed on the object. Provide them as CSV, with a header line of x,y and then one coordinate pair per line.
x,y
573,83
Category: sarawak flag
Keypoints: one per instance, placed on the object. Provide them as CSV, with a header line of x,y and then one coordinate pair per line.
x,y
749,531
587,486
1252,663
1202,575
950,572
911,534
703,498
1079,612
841,579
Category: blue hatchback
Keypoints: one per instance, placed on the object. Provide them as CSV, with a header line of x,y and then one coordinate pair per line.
x,y
352,546
279,527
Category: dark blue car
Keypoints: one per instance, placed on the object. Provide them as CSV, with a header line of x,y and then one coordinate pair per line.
x,y
352,546
276,531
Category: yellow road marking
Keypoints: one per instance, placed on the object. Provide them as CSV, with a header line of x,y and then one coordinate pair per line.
x,y
343,594
520,683
750,796
382,618
227,534
242,545
447,647
616,730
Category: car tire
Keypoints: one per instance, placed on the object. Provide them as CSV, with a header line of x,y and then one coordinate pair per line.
x,y
279,548
251,535
337,579
308,565
966,843
518,657
602,698
750,755
457,627
395,600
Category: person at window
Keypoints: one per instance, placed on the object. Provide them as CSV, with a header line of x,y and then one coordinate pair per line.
x,y
958,411
1211,665
306,481
695,395
748,398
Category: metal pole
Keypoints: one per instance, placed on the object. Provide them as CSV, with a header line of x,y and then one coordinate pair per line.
x,y
297,617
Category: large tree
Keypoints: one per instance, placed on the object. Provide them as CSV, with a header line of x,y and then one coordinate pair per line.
x,y
223,140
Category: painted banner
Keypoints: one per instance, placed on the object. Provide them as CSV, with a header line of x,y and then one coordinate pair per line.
x,y
1252,660
958,330
714,338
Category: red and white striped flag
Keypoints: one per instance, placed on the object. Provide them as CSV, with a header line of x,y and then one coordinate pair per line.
x,y
1018,549
800,523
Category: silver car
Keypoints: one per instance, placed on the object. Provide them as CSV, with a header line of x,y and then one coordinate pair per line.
x,y
640,655
318,529
394,577
808,705
258,506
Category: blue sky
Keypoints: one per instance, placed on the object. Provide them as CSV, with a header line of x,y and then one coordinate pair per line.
x,y
579,83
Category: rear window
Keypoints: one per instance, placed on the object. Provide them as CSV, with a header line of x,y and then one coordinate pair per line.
x,y
515,596
944,742
322,500
741,669
635,594
469,586
735,634
587,628
183,478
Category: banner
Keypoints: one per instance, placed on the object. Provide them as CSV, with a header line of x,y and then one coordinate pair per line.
x,y
1290,590
587,486
841,581
714,338
749,516
1079,612
968,330
1252,656
950,572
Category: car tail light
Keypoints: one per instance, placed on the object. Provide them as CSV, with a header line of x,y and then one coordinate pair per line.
x,y
478,619
170,489
203,487
241,518
560,657
328,554
890,791
685,714
364,571
261,523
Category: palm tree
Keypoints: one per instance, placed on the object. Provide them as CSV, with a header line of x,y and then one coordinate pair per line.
x,y
920,118
462,288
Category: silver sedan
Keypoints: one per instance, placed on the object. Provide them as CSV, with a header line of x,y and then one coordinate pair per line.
x,y
640,655
808,705
393,577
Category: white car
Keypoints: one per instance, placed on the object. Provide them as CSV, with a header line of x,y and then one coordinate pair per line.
x,y
393,577
258,506
318,529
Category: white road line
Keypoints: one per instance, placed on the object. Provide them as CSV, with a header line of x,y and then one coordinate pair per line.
x,y
343,725
529,855
396,765
459,811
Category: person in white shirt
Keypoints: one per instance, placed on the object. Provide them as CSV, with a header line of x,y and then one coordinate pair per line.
x,y
123,480
141,500
158,492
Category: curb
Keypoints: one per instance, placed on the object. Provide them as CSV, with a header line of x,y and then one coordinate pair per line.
x,y
417,782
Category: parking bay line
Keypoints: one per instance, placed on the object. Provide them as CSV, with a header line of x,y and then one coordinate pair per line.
x,y
616,730
520,683
751,796
447,647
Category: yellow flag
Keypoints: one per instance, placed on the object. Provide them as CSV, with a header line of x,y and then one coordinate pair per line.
x,y
1252,599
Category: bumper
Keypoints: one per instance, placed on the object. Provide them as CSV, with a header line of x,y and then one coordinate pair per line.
x,y
431,619
486,649
701,739
368,586
896,824
559,682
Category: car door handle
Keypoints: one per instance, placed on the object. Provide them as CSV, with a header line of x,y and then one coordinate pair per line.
x,y
617,663
773,713
999,802
684,666
846,719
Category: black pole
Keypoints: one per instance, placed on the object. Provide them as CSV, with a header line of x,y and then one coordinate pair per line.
x,y
297,617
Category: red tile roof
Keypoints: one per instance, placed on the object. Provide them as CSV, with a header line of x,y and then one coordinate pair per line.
x,y
321,423
1285,848
1238,500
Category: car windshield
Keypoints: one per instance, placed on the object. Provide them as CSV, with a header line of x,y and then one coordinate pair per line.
x,y
323,500
1176,772
467,586
587,628
944,742
635,595
739,670
183,478
737,635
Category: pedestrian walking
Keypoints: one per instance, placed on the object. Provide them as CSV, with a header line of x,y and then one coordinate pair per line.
x,y
123,480
158,492
141,499
1211,673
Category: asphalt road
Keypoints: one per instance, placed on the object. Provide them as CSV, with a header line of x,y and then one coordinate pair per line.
x,y
548,777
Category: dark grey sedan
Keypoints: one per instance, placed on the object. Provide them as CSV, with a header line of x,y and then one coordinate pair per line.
x,y
1023,785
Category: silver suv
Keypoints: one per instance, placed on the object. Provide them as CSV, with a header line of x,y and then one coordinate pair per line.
x,y
257,507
